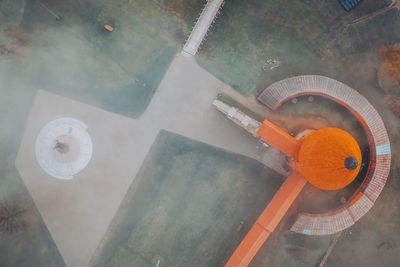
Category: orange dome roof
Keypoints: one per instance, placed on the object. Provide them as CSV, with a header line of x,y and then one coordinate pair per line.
x,y
329,158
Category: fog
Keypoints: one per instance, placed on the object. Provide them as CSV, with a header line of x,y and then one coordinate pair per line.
x,y
37,52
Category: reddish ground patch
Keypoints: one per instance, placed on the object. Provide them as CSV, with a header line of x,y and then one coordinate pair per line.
x,y
389,73
5,51
390,68
294,124
18,40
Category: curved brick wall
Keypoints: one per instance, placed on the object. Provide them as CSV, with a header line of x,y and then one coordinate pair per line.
x,y
379,146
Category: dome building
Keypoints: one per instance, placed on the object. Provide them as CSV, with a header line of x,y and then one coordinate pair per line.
x,y
329,158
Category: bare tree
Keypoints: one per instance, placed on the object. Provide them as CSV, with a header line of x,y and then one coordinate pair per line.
x,y
11,218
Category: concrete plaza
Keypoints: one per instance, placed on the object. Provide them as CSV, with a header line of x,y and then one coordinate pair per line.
x,y
71,209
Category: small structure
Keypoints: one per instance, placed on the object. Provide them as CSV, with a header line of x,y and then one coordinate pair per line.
x,y
63,148
108,27
249,124
349,4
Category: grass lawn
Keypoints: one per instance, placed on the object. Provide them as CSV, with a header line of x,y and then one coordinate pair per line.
x,y
304,37
250,33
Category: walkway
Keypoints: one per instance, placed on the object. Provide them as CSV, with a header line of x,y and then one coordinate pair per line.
x,y
207,17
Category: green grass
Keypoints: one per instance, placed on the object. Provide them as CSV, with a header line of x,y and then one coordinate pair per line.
x,y
98,77
185,206
306,37
250,33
